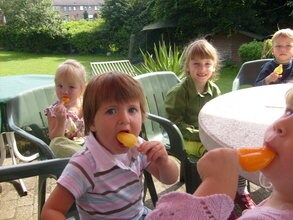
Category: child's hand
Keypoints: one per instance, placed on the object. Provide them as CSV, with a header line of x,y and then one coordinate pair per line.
x,y
273,77
60,112
154,150
219,164
219,170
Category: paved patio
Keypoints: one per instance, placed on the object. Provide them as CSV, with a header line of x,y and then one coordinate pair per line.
x,y
14,207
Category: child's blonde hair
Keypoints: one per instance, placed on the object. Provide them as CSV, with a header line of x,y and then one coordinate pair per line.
x,y
287,32
71,70
289,97
201,49
107,87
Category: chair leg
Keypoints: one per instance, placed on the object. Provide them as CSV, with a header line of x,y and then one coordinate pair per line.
x,y
192,178
151,187
182,172
2,150
42,184
10,137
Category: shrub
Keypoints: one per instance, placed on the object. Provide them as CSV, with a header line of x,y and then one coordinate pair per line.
x,y
250,51
165,58
32,40
86,37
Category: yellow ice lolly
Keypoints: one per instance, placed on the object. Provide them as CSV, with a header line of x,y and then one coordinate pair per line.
x,y
279,69
254,159
127,139
65,100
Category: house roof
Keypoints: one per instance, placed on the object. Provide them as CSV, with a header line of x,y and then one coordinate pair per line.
x,y
77,2
245,33
252,35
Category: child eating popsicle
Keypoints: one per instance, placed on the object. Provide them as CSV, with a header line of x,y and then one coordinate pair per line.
x,y
105,178
279,70
219,170
65,117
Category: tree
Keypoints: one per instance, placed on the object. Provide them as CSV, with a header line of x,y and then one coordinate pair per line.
x,y
123,18
30,15
199,17
31,26
85,15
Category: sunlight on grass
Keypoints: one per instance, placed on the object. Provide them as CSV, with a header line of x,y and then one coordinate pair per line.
x,y
227,75
15,63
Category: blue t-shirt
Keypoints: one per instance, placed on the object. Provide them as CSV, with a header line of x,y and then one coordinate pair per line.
x,y
269,67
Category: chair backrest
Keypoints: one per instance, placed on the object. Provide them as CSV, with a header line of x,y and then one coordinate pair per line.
x,y
158,127
248,73
155,86
117,65
26,116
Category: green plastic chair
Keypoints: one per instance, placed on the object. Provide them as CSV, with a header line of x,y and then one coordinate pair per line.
x,y
43,169
158,127
248,73
26,117
116,65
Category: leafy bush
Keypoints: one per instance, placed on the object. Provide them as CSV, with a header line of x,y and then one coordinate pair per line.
x,y
250,51
165,58
33,40
85,37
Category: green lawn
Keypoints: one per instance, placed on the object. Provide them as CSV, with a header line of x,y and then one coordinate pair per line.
x,y
16,63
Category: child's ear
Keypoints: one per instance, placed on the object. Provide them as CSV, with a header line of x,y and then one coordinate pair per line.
x,y
213,69
92,128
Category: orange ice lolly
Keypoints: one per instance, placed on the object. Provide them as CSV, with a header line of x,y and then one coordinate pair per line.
x,y
254,159
127,139
65,100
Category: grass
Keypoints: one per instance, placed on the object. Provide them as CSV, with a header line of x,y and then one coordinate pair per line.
x,y
227,75
16,63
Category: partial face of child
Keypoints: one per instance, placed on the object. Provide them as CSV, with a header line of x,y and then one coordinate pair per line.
x,y
112,118
283,49
201,70
68,88
279,137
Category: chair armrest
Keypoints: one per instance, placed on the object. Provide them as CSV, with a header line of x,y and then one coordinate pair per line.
x,y
43,170
235,85
45,151
25,170
174,134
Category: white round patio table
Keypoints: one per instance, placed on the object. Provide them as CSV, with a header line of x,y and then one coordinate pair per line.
x,y
240,118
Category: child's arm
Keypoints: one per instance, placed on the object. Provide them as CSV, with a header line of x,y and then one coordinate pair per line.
x,y
56,124
273,77
162,166
57,204
219,170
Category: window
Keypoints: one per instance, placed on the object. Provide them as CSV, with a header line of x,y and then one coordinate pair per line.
x,y
81,7
65,8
